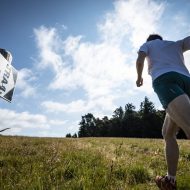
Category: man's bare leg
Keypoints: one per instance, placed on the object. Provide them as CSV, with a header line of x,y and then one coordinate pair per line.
x,y
171,147
177,115
179,112
172,154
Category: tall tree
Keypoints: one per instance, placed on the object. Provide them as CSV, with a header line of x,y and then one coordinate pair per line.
x,y
147,108
129,110
151,122
118,113
87,126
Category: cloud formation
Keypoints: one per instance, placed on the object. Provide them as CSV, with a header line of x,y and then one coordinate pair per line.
x,y
25,77
24,120
102,68
13,119
100,105
132,20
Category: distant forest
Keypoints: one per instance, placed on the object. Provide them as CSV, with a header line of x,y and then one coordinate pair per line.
x,y
125,122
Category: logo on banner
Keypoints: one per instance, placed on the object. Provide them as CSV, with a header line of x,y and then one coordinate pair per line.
x,y
8,77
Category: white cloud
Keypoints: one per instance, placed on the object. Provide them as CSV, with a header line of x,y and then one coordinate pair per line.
x,y
71,44
76,106
97,69
18,121
49,43
56,122
25,77
81,106
100,69
132,19
12,119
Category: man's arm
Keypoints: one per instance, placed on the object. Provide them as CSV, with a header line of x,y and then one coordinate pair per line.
x,y
139,68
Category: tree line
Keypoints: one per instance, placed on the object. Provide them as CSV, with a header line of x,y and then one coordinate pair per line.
x,y
125,122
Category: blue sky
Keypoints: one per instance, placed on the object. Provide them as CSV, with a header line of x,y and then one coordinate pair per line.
x,y
75,57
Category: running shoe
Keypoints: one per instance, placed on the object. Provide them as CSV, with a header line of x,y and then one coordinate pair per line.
x,y
165,184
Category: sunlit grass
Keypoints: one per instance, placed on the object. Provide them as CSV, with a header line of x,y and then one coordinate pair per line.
x,y
86,163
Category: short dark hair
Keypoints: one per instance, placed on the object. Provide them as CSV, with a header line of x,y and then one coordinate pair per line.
x,y
154,37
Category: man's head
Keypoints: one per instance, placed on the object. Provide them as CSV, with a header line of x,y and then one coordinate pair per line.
x,y
154,37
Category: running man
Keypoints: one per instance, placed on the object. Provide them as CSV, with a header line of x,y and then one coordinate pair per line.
x,y
171,82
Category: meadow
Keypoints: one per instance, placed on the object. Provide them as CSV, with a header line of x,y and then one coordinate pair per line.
x,y
86,163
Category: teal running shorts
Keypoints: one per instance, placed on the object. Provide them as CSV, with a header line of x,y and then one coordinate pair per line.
x,y
171,85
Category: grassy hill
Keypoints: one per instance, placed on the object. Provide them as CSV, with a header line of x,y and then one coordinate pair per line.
x,y
86,163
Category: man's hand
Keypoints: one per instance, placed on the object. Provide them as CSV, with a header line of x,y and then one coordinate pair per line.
x,y
139,82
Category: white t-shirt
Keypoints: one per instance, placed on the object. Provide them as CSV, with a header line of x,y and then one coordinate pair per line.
x,y
165,56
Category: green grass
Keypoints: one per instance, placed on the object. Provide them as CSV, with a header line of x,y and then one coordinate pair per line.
x,y
86,163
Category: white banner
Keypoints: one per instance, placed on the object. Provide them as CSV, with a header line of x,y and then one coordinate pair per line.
x,y
8,77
